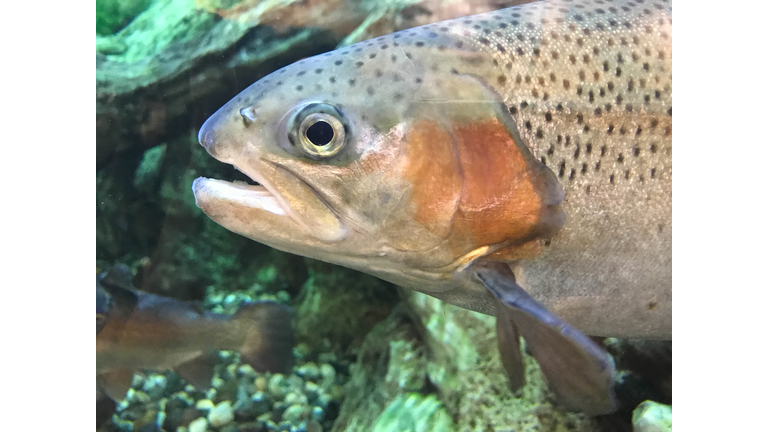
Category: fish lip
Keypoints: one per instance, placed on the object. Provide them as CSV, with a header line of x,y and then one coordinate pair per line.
x,y
261,196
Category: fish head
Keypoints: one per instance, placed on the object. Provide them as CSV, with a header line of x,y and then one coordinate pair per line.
x,y
371,159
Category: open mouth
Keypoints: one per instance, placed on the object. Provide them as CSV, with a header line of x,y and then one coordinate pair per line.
x,y
242,190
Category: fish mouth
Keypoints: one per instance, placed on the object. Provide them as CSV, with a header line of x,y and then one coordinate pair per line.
x,y
245,191
292,205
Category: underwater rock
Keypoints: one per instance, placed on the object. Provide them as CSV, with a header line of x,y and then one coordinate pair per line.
x,y
148,170
198,425
391,363
465,368
337,307
644,372
449,354
414,413
221,414
112,15
651,416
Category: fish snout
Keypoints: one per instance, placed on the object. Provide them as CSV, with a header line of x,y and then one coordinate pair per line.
x,y
207,134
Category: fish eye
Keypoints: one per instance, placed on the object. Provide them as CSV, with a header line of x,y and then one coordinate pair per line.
x,y
319,129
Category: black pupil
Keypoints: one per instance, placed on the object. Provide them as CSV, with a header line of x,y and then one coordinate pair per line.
x,y
320,133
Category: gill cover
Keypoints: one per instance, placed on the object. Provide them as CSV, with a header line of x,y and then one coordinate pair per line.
x,y
474,181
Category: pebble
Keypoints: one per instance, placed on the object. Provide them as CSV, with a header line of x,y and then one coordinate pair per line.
x,y
230,300
329,376
155,385
260,383
323,400
211,393
246,370
318,413
309,371
217,382
293,414
293,398
221,414
137,396
198,425
260,404
137,380
277,386
651,416
295,382
204,404
311,390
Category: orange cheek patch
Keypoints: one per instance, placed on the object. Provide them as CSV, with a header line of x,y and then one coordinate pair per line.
x,y
500,202
434,173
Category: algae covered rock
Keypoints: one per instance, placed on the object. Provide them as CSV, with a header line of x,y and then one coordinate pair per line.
x,y
337,307
448,356
414,413
391,364
113,15
466,370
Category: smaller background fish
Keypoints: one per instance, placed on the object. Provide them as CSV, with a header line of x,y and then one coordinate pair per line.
x,y
136,330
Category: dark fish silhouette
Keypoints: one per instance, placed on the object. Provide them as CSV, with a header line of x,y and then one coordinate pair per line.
x,y
137,330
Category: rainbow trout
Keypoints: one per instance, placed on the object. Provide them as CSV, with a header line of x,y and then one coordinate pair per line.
x,y
137,330
515,163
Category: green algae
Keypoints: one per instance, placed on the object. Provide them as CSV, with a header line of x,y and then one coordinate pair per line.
x,y
338,306
414,412
113,15
148,171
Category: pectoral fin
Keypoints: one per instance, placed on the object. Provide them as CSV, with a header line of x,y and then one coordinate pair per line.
x,y
578,371
509,347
